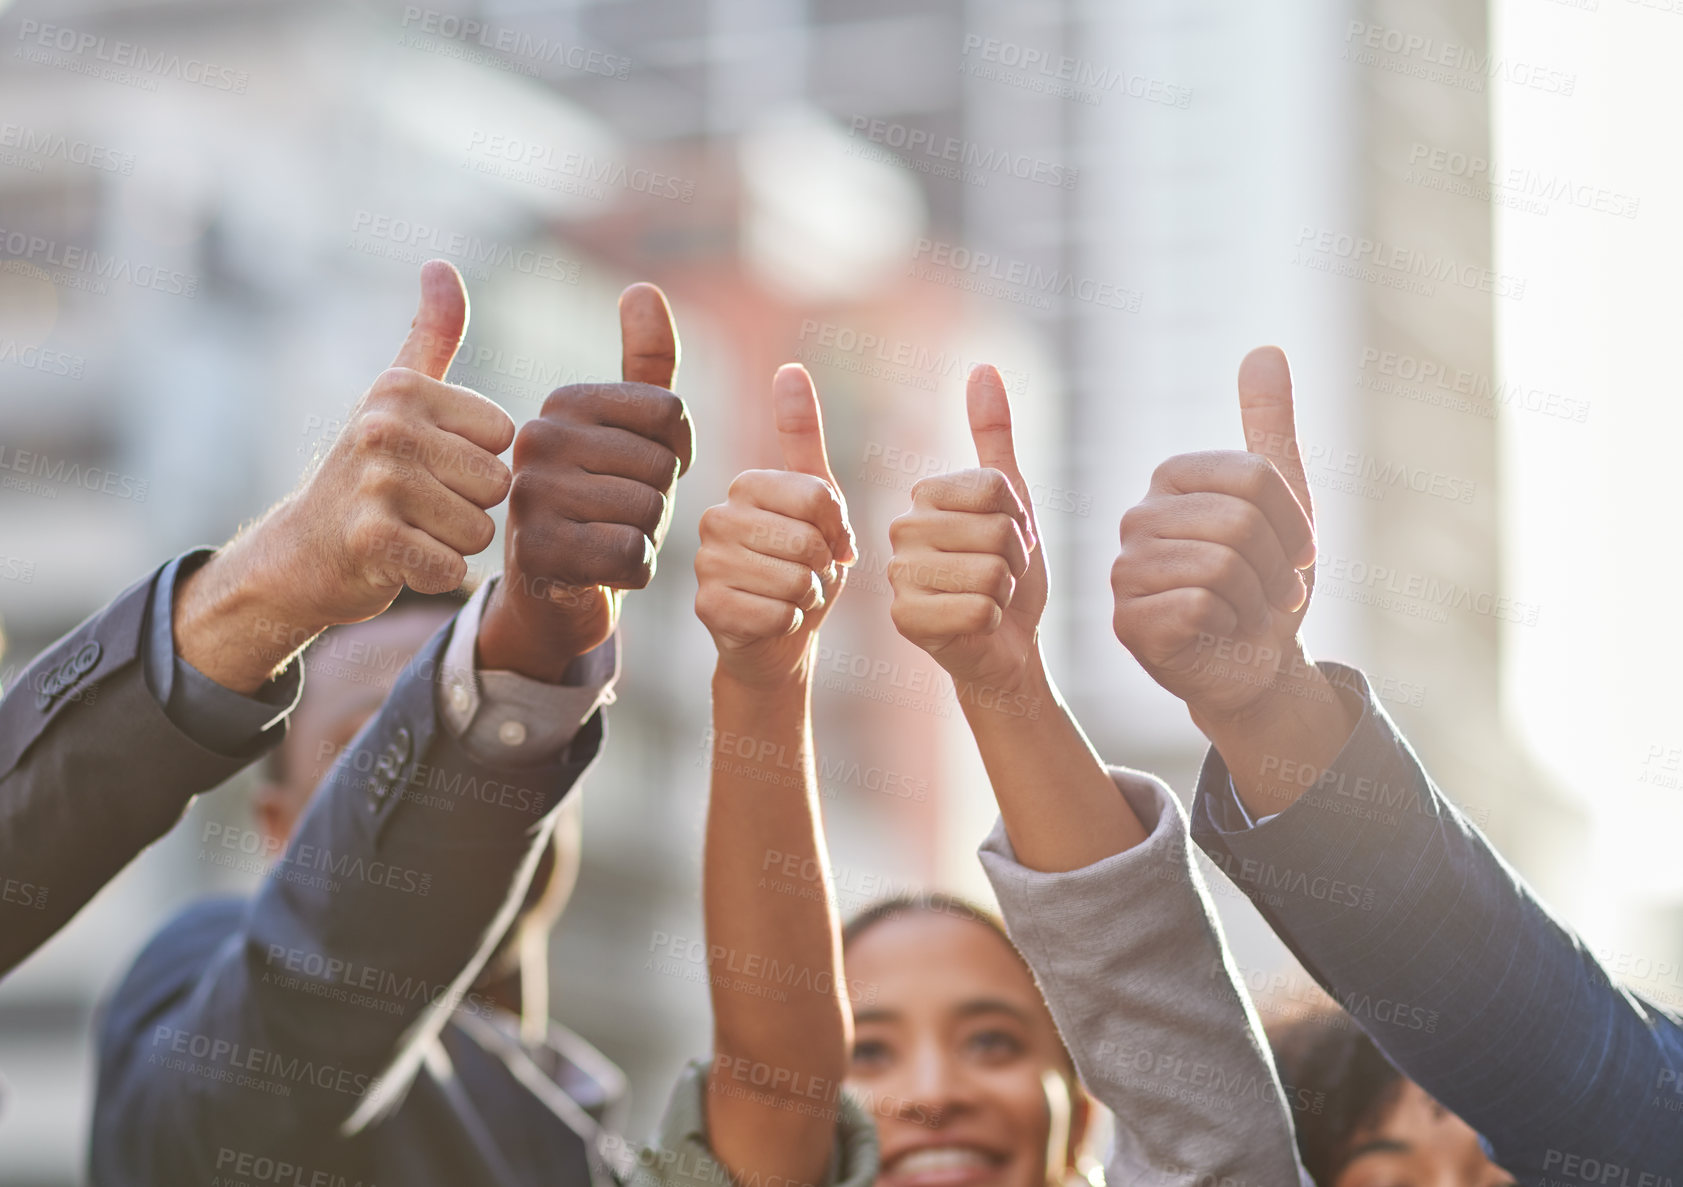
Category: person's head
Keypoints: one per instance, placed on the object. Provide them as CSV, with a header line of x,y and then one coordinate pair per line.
x,y
1372,1126
954,1051
349,671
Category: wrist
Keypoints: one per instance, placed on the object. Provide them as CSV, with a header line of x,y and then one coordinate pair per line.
x,y
1296,729
535,637
227,624
763,689
1283,695
1017,691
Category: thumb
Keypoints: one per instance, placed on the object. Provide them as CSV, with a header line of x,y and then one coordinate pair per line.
x,y
800,430
649,343
436,333
989,409
1265,409
800,425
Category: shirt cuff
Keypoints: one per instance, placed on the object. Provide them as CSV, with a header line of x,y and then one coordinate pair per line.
x,y
1244,813
219,719
509,720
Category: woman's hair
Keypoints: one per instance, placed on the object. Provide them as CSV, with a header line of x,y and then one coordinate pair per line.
x,y
1340,1082
931,902
934,902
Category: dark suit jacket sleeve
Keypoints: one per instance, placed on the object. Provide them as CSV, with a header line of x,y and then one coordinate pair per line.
x,y
92,770
311,1018
1403,912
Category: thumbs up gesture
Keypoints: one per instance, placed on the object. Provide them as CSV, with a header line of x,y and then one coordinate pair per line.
x,y
400,497
1216,566
595,473
968,572
773,555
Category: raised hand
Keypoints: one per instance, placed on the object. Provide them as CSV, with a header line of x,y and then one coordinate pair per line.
x,y
968,572
399,498
773,555
594,478
1217,560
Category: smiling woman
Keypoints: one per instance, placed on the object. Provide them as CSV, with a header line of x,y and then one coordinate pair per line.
x,y
956,1055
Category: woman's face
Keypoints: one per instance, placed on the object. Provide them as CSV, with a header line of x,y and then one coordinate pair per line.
x,y
1418,1143
956,1056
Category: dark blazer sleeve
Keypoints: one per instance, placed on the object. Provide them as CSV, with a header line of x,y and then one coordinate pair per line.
x,y
92,771
1400,908
311,1018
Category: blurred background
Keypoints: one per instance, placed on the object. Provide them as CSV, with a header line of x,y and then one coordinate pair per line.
x,y
1457,217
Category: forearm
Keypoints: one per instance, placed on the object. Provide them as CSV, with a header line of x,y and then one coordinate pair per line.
x,y
769,907
1060,808
238,620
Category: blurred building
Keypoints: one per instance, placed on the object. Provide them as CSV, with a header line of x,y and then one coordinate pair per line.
x,y
1111,202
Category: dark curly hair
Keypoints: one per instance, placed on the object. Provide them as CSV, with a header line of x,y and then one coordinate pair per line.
x,y
1324,1056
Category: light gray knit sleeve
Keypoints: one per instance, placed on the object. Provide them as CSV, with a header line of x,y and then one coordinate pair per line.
x,y
1132,962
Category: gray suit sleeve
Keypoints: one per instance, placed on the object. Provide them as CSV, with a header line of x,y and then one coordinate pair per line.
x,y
92,770
1133,965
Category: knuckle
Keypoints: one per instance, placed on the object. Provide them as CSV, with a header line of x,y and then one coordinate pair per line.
x,y
394,384
567,401
1230,568
501,479
1135,522
535,439
713,523
378,431
995,573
